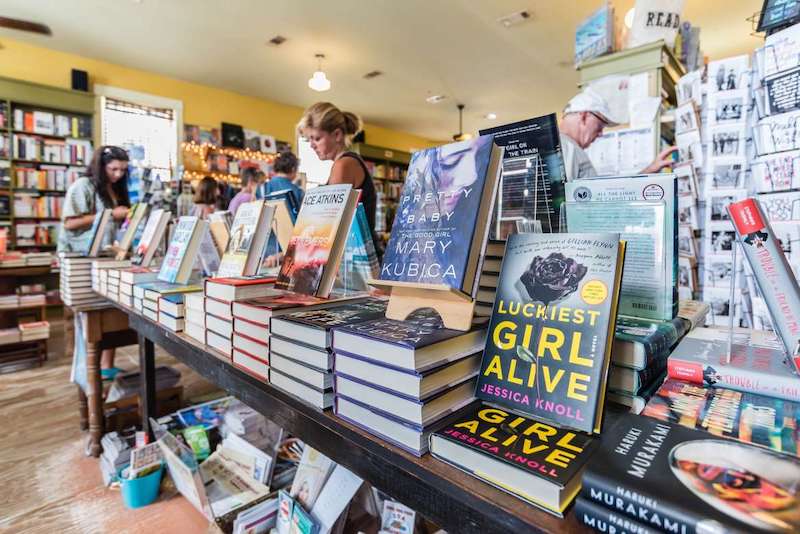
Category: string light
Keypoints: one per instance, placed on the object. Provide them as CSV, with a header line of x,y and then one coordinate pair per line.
x,y
202,151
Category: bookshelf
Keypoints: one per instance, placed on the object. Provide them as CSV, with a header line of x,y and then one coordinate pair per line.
x,y
388,168
46,140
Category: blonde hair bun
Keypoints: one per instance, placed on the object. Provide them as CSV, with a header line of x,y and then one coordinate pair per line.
x,y
328,118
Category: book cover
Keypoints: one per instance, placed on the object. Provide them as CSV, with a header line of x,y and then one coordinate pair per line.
x,y
343,314
99,232
174,260
747,417
168,288
594,36
549,342
241,240
537,449
359,261
532,161
313,238
441,225
644,209
208,255
303,522
135,216
312,472
667,476
151,236
757,362
772,272
602,519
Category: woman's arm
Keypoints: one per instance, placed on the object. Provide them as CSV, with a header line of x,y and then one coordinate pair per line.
x,y
78,222
347,171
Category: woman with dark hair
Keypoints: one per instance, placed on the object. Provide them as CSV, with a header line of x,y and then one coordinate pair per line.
x,y
284,171
105,186
205,198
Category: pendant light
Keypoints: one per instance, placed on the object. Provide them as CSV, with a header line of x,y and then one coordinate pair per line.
x,y
318,81
461,136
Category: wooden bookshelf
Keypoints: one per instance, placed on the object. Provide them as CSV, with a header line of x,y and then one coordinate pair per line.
x,y
389,173
29,97
452,499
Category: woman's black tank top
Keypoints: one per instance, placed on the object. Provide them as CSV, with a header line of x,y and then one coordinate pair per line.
x,y
368,196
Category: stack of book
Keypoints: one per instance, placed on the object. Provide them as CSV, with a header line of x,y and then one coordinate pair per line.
x,y
171,311
9,302
34,330
116,453
130,277
300,348
487,284
75,280
38,258
396,379
640,351
194,321
105,276
220,293
32,299
151,294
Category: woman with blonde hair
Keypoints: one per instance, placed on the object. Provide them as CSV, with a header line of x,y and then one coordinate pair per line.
x,y
330,132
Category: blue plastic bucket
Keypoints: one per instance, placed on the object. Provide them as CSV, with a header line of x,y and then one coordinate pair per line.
x,y
141,491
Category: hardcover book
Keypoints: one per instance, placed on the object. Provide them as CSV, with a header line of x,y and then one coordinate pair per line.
x,y
318,240
638,342
248,237
532,161
549,343
135,216
536,462
182,251
418,343
757,362
261,309
151,237
673,478
440,230
772,272
602,519
644,209
242,287
748,417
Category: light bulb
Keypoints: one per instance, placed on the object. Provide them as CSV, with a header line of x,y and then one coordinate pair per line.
x,y
319,82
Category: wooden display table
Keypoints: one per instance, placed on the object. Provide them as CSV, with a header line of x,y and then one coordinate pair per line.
x,y
106,328
452,499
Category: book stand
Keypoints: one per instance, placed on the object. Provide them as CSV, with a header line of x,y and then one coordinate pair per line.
x,y
455,308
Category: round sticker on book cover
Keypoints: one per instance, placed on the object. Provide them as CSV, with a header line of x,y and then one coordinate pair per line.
x,y
653,192
582,193
594,292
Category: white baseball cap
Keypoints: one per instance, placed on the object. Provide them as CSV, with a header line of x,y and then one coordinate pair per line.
x,y
591,101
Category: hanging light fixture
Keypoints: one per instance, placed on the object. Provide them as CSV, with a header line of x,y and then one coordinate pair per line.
x,y
318,81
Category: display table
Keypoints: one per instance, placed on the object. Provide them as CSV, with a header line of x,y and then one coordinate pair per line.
x,y
452,499
106,328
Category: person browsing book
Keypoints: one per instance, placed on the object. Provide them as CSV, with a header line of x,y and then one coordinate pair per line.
x,y
330,132
284,172
105,186
251,178
205,198
585,117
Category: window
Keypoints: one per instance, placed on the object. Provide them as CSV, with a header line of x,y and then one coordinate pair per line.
x,y
316,170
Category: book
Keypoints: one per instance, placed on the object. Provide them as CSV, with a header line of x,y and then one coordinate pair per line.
x,y
539,463
332,502
303,522
172,304
313,328
359,262
135,216
257,347
137,275
248,237
218,308
757,362
772,272
417,343
99,232
182,251
638,342
229,289
397,518
175,324
250,329
285,506
594,36
315,249
631,381
747,417
532,161
152,291
283,221
662,474
644,210
207,255
261,309
319,380
551,332
637,402
321,399
312,472
602,519
219,225
152,234
448,193
250,364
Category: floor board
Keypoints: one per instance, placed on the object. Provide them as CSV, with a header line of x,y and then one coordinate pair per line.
x,y
49,485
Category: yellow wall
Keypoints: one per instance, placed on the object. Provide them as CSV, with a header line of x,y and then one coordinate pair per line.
x,y
202,104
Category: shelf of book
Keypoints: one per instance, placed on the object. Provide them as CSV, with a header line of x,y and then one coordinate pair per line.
x,y
451,498
57,124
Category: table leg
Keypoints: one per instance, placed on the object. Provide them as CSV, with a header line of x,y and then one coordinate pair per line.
x,y
147,368
83,408
94,395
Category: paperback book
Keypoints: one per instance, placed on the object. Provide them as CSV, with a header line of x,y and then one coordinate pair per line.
x,y
549,343
448,193
747,417
248,237
100,232
667,476
315,249
532,162
151,237
177,265
135,216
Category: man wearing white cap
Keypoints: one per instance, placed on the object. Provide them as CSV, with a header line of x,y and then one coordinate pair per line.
x,y
584,119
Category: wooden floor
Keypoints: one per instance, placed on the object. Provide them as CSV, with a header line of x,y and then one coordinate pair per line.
x,y
48,484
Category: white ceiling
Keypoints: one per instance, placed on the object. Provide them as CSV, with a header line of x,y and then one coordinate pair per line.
x,y
424,47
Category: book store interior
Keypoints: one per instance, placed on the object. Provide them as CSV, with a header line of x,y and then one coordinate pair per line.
x,y
450,267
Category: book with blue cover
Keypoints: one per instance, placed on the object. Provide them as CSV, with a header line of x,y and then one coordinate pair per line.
x,y
594,36
417,343
440,230
549,343
359,260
